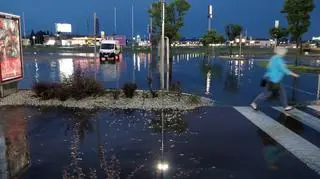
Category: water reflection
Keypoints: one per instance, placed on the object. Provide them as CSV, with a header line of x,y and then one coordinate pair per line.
x,y
37,70
66,67
14,145
173,122
274,151
234,75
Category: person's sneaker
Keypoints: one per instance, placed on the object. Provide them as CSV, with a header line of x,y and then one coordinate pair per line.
x,y
254,106
288,108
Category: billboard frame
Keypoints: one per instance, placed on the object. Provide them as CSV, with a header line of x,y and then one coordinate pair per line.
x,y
13,17
62,24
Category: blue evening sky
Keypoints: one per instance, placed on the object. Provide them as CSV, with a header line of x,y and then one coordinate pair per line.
x,y
257,16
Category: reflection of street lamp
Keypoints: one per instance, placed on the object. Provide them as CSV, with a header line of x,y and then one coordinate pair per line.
x,y
208,83
34,40
162,166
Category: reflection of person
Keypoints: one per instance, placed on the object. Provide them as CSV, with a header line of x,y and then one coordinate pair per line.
x,y
272,150
277,69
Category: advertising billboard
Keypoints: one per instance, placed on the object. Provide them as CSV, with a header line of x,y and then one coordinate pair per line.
x,y
64,28
11,58
121,39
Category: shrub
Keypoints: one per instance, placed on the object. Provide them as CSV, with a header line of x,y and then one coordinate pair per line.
x,y
62,94
39,88
116,94
46,90
176,88
81,86
129,89
78,87
153,93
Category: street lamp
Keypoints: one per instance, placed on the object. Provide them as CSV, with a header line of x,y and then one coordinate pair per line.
x,y
162,44
34,40
132,22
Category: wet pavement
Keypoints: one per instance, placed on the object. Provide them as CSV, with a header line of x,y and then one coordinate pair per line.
x,y
215,142
127,144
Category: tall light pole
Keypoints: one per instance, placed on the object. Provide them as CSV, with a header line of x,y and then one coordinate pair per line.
x,y
24,26
95,33
276,25
162,44
115,20
132,23
210,16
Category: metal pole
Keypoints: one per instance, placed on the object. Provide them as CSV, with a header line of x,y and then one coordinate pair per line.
x,y
210,15
24,26
162,46
150,31
168,61
240,44
132,23
1,91
115,20
318,93
95,34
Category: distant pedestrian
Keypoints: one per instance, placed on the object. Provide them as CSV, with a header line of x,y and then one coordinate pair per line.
x,y
276,70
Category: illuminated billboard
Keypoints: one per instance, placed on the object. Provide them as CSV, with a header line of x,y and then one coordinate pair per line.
x,y
11,58
64,28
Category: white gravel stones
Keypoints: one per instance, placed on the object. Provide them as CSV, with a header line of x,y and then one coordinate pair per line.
x,y
25,97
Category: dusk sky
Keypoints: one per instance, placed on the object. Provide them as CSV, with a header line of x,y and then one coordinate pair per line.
x,y
255,15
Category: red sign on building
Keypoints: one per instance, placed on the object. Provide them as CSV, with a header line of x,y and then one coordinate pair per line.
x,y
11,57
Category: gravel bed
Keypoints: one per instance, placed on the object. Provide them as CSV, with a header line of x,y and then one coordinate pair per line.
x,y
27,98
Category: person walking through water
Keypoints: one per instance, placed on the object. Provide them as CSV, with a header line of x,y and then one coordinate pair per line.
x,y
276,70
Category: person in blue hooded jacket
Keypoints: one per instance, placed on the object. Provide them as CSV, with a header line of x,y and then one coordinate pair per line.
x,y
276,70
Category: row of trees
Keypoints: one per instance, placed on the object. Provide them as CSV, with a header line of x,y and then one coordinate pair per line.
x,y
39,36
297,13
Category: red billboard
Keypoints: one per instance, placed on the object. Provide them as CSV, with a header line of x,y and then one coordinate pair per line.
x,y
11,58
121,39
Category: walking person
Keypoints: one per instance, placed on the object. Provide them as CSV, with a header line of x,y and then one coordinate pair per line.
x,y
276,70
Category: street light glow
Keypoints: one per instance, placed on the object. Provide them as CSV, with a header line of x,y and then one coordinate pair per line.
x,y
163,166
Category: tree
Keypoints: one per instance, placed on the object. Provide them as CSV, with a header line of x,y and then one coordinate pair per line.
x,y
212,37
278,33
298,17
232,31
175,12
40,37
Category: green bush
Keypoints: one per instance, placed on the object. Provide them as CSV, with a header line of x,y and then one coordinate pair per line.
x,y
78,87
46,90
129,89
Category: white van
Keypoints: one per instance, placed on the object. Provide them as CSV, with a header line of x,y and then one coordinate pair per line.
x,y
109,49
